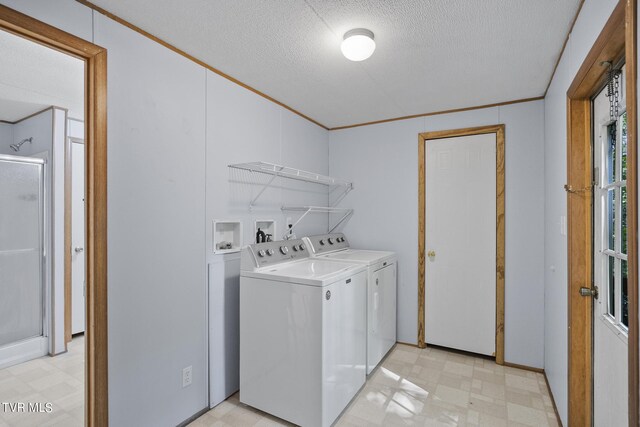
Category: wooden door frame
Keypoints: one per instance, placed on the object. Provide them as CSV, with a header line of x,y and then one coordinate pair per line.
x,y
500,241
616,42
95,58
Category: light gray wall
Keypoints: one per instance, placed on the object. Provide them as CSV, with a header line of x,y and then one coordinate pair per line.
x,y
243,127
156,199
6,136
68,15
382,161
593,16
39,127
173,128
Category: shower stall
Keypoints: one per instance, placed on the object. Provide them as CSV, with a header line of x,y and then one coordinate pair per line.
x,y
23,294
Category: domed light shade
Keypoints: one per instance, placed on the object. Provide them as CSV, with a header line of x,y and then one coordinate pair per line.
x,y
358,44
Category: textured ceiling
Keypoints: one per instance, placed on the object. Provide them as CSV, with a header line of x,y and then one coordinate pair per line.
x,y
33,77
431,55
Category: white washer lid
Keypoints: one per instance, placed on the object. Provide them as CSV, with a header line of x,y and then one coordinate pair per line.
x,y
312,272
360,256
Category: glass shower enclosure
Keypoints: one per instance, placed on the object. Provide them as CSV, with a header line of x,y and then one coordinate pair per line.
x,y
23,320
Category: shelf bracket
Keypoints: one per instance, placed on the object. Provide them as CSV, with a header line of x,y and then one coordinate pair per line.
x,y
347,215
346,191
255,199
308,211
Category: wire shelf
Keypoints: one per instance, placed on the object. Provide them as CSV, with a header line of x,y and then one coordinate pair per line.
x,y
291,173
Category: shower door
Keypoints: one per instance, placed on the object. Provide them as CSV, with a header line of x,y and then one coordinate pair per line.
x,y
22,290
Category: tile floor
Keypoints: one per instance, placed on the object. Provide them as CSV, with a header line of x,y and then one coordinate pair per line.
x,y
428,387
59,380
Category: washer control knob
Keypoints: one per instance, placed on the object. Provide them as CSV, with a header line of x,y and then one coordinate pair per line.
x,y
322,241
330,240
295,248
340,239
301,246
269,252
284,250
261,253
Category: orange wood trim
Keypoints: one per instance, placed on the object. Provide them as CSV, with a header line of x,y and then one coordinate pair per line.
x,y
580,253
421,233
500,243
499,130
437,113
609,46
564,46
96,386
96,246
194,59
409,344
439,134
632,203
25,26
524,367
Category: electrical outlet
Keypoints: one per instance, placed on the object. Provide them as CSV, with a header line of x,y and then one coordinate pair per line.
x,y
187,376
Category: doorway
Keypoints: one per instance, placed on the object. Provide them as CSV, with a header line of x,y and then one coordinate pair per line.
x,y
598,257
75,305
94,111
448,162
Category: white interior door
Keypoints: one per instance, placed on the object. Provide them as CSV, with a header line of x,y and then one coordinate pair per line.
x,y
77,239
460,240
610,315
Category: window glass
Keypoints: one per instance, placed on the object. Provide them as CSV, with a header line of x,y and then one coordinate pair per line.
x,y
625,308
611,211
610,215
623,218
610,156
612,287
623,137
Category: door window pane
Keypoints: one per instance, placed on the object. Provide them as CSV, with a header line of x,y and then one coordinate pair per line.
x,y
624,219
610,155
611,309
625,308
610,215
623,137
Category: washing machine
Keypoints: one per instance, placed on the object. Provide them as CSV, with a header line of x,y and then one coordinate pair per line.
x,y
302,332
381,289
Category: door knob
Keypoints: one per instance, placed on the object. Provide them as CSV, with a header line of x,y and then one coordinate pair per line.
x,y
589,292
78,249
431,254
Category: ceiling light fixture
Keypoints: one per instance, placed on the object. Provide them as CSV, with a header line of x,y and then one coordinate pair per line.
x,y
358,44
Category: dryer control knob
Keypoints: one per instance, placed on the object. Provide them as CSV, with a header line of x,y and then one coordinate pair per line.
x,y
269,252
301,246
322,241
284,250
295,248
330,240
261,253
